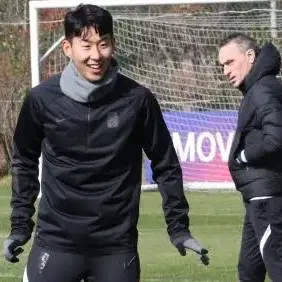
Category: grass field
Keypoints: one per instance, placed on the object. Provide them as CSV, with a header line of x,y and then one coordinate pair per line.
x,y
215,221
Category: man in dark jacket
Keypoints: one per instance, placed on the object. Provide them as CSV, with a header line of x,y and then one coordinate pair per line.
x,y
255,160
91,124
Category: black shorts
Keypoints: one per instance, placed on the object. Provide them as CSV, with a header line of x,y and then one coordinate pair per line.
x,y
51,266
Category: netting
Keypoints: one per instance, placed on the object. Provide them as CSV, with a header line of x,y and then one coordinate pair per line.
x,y
172,50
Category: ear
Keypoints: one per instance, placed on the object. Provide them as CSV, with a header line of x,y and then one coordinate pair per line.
x,y
251,55
67,48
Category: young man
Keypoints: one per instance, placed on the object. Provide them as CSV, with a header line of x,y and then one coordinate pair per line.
x,y
91,124
255,160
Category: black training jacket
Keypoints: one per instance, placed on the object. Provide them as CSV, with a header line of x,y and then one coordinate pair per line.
x,y
91,172
259,130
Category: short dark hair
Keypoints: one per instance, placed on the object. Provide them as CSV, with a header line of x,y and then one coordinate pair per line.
x,y
83,17
244,41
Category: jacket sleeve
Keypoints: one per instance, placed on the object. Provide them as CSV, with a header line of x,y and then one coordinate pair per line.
x,y
26,152
167,172
271,141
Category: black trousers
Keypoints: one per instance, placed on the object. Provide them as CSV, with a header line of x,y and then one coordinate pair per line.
x,y
261,247
49,266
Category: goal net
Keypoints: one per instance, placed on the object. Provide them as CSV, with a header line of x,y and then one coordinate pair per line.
x,y
172,50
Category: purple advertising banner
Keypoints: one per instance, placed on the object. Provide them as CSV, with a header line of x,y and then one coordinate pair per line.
x,y
202,141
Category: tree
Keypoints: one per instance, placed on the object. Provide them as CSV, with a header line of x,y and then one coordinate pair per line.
x,y
14,80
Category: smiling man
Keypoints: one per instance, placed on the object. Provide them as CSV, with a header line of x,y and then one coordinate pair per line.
x,y
91,124
255,160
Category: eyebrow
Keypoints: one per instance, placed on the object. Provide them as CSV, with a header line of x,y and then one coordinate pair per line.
x,y
103,37
227,62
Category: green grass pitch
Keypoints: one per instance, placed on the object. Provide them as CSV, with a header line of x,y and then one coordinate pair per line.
x,y
215,218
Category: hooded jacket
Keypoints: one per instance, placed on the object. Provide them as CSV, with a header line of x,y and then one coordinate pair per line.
x,y
259,129
91,170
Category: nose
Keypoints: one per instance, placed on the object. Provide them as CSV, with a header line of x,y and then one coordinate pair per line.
x,y
226,71
95,54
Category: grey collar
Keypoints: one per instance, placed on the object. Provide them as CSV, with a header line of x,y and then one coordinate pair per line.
x,y
75,86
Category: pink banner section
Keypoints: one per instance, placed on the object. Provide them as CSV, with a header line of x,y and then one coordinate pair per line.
x,y
202,141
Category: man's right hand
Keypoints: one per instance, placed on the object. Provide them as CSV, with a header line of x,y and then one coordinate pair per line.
x,y
12,247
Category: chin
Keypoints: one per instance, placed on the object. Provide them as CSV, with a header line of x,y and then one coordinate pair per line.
x,y
236,84
94,78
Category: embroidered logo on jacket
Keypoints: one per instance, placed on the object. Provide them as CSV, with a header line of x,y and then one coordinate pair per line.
x,y
112,120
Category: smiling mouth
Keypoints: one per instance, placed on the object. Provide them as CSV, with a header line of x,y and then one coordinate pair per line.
x,y
95,67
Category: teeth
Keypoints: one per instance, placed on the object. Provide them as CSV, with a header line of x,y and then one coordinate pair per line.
x,y
94,66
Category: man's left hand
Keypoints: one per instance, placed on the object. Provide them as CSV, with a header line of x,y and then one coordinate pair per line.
x,y
187,242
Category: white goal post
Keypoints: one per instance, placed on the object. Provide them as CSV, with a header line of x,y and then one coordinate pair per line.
x,y
170,47
52,4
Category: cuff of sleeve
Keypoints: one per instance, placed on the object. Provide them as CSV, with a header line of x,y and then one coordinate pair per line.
x,y
20,237
181,234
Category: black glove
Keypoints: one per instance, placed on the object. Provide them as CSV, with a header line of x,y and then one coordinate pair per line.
x,y
186,241
12,247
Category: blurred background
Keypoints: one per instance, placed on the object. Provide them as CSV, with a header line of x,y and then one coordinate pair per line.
x,y
171,49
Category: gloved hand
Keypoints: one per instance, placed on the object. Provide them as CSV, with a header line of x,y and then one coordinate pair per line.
x,y
12,247
187,242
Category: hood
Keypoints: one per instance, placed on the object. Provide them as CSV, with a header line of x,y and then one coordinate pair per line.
x,y
268,62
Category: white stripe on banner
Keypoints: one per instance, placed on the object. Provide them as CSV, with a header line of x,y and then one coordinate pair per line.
x,y
264,239
25,278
